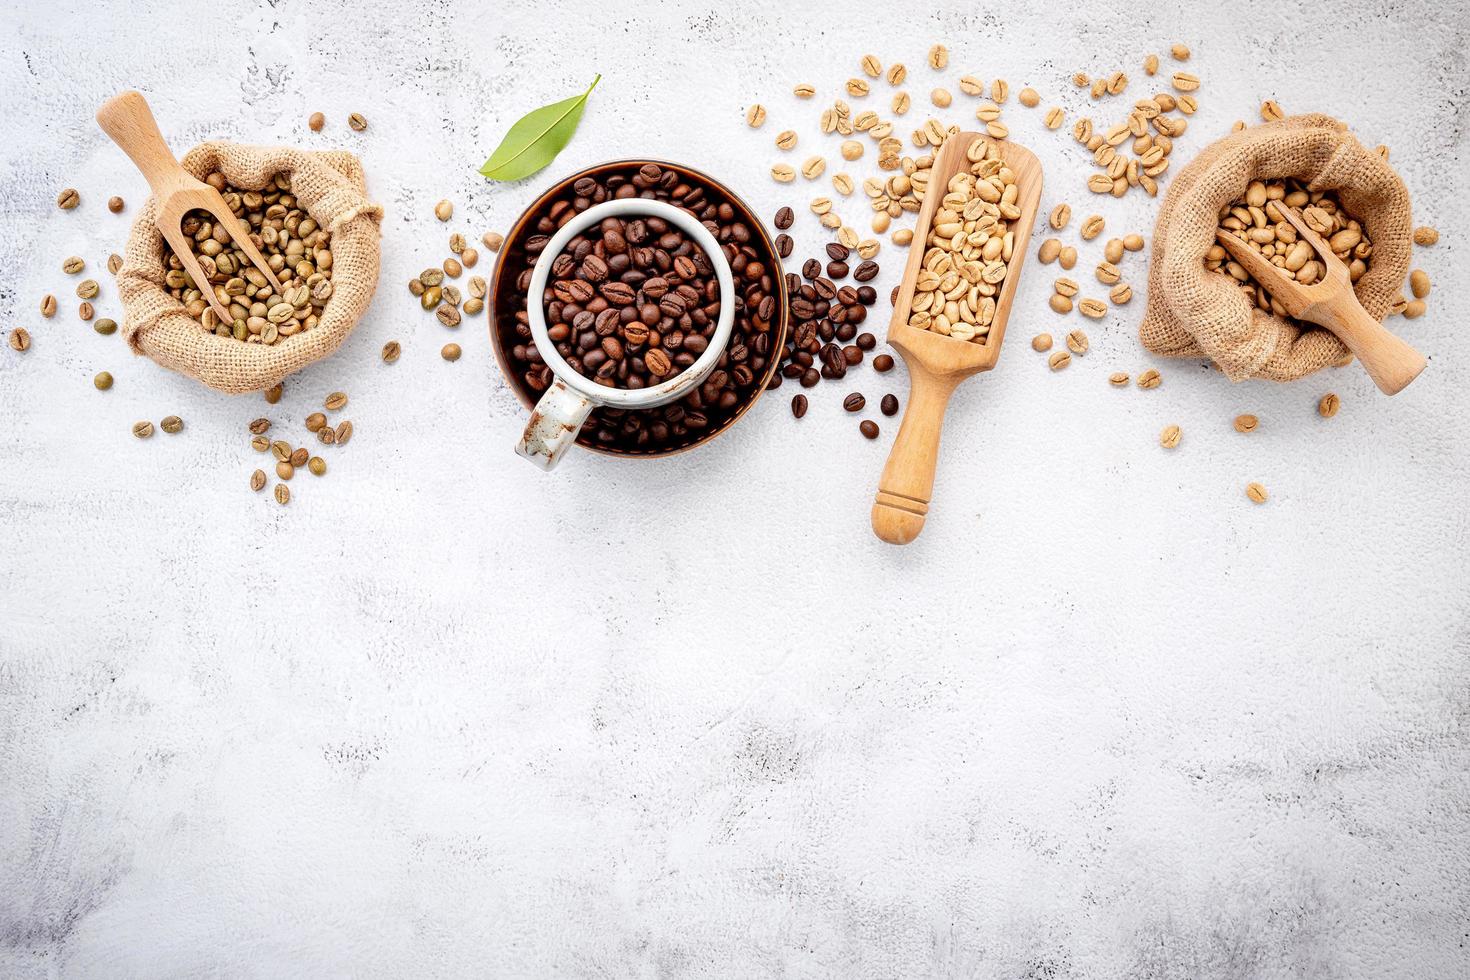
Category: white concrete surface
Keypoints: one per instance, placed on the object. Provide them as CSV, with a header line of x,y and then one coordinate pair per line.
x,y
446,716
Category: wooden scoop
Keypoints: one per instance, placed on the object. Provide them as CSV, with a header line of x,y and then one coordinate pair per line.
x,y
1331,303
937,363
128,120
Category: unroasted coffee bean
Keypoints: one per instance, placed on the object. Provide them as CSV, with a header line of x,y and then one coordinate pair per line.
x,y
344,432
868,428
143,429
798,405
391,351
889,404
854,402
257,480
883,363
172,424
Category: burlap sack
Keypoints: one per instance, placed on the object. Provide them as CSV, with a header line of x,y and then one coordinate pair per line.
x,y
331,187
1196,313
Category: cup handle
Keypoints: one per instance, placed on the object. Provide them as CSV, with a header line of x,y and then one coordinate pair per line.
x,y
554,424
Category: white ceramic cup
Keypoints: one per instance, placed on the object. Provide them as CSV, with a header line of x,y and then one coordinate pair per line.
x,y
558,416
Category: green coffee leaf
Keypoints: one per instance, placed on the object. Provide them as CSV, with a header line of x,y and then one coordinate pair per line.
x,y
536,138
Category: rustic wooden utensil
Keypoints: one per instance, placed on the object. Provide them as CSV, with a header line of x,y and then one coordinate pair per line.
x,y
1331,303
128,120
937,363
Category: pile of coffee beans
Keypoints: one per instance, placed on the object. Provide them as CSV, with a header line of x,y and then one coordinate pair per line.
x,y
634,304
824,341
754,341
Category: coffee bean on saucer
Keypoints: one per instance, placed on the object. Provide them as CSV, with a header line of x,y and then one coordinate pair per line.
x,y
837,251
784,218
798,405
867,341
889,404
854,402
883,363
837,270
865,271
869,428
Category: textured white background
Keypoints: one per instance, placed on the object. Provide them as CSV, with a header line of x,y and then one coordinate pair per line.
x,y
446,715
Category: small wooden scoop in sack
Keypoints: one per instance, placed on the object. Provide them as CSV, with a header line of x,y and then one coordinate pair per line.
x,y
128,120
1331,303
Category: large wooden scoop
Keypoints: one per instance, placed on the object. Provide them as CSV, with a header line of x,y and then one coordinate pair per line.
x,y
1330,302
938,363
128,120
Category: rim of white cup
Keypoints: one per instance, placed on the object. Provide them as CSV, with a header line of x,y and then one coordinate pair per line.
x,y
681,383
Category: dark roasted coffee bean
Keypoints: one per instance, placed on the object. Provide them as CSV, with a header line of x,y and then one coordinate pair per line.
x,y
811,268
867,341
867,295
893,296
784,246
846,331
853,355
825,288
798,405
854,402
883,363
889,404
868,428
784,218
837,270
810,377
803,308
837,251
865,271
847,296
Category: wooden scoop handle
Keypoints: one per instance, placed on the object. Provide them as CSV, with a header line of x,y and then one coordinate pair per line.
x,y
1389,360
907,483
128,120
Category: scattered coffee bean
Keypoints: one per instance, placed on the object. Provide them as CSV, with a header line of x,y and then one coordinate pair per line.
x,y
444,210
283,494
299,456
883,363
73,265
68,199
493,240
1256,493
105,326
358,122
273,393
142,429
868,428
784,218
1246,423
336,401
450,352
48,306
1169,438
260,444
1329,405
889,404
103,381
116,204
315,421
854,402
284,469
798,405
316,121
20,339
344,433
260,426
257,480
85,311
87,289
391,350
172,424
114,263
784,245
317,465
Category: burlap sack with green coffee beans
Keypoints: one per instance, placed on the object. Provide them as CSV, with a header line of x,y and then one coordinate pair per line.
x,y
1193,312
331,187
